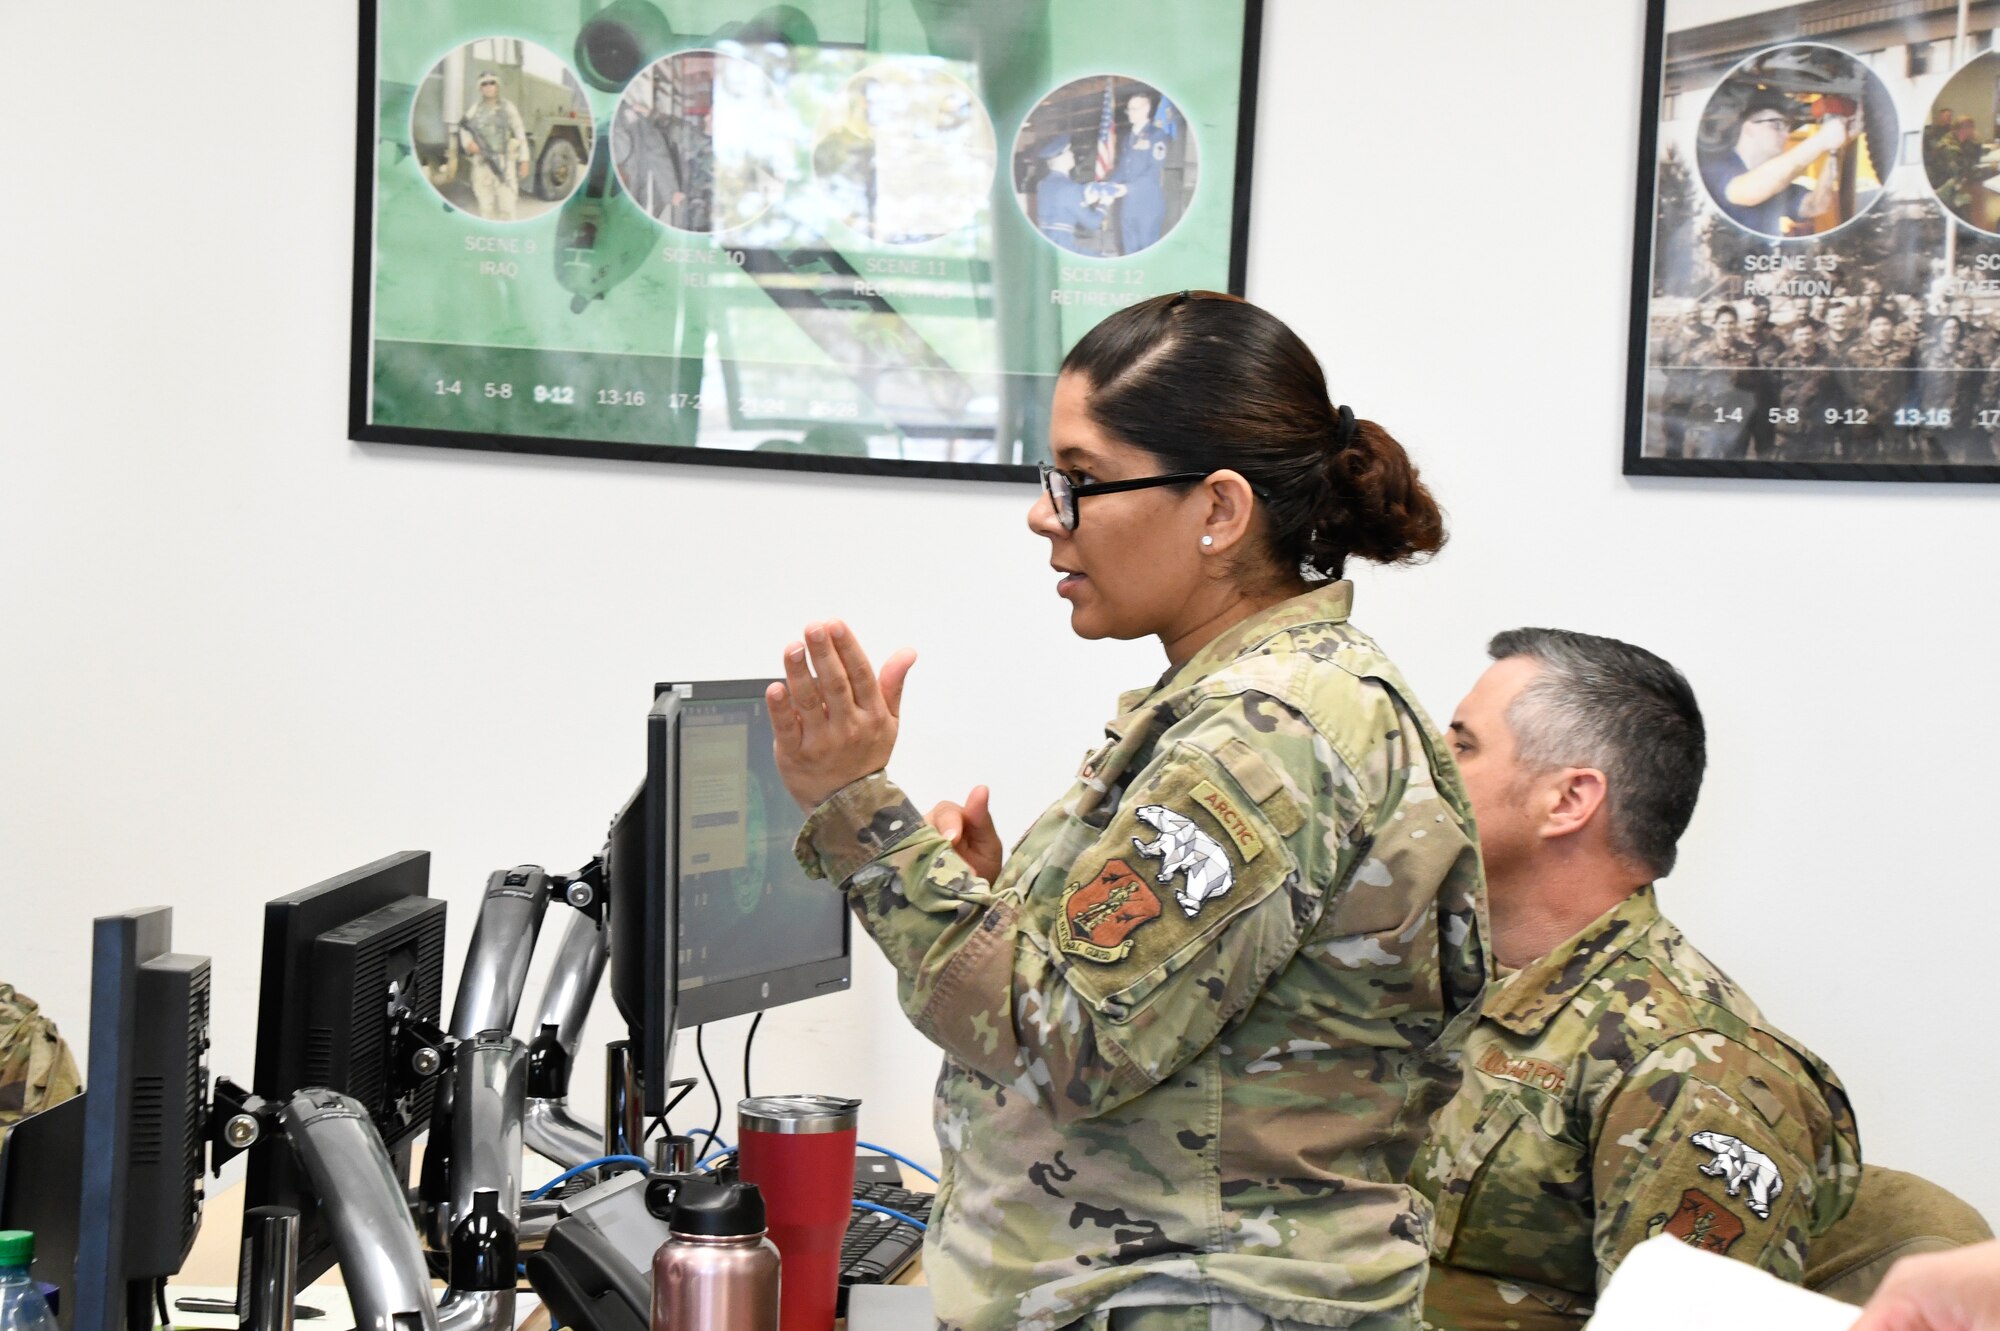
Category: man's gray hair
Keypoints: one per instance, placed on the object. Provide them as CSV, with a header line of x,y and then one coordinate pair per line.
x,y
1606,704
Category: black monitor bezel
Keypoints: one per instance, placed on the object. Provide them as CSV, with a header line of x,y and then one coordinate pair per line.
x,y
122,945
750,993
284,1011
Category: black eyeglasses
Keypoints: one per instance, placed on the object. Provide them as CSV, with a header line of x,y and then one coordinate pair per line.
x,y
1064,492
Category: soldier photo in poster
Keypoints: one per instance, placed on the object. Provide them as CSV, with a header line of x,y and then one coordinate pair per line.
x,y
692,145
1821,290
501,129
1105,166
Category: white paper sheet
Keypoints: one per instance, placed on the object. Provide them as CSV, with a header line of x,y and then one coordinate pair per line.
x,y
1665,1285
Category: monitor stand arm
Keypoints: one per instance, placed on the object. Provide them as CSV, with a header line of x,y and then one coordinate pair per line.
x,y
489,994
550,1128
380,1259
503,943
489,1084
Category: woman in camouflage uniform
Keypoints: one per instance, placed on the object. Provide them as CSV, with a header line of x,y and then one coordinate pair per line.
x,y
1196,1022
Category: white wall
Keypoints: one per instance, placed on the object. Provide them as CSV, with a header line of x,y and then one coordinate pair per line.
x,y
242,653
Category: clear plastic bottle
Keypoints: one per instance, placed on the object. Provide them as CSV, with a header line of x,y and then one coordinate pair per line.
x,y
22,1307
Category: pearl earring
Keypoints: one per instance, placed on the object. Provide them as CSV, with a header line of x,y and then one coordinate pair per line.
x,y
1207,541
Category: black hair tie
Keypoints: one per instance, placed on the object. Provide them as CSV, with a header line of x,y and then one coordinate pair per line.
x,y
1344,428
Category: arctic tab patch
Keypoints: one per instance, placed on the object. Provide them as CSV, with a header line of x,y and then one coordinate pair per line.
x,y
1231,820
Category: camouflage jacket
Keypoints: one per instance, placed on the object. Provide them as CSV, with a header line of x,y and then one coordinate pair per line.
x,y
1195,1029
1620,1086
1869,380
36,1069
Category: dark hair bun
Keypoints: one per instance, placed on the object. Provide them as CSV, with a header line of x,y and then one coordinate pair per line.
x,y
1206,381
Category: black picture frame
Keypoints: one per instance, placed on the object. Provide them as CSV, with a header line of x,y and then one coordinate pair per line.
x,y
370,126
1671,220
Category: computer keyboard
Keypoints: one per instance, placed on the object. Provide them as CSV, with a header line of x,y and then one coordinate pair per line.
x,y
877,1248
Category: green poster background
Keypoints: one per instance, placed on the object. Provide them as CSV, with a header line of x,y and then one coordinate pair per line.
x,y
587,326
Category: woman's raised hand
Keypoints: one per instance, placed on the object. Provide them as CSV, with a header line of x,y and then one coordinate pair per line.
x,y
833,719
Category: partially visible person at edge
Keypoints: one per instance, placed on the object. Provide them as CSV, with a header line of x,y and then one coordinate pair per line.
x,y
1618,1084
1939,1291
1195,1024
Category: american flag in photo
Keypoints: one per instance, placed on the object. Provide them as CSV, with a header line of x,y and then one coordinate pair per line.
x,y
1107,137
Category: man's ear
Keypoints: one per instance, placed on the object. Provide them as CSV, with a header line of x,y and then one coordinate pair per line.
x,y
1231,502
1579,796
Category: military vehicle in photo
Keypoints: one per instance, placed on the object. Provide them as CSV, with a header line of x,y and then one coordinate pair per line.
x,y
551,103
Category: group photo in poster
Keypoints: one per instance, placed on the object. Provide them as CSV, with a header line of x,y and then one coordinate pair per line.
x,y
1817,271
825,235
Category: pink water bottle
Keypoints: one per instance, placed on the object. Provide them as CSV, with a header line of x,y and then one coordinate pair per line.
x,y
716,1271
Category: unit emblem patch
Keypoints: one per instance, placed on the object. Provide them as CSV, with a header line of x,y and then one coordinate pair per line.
x,y
1702,1222
1099,917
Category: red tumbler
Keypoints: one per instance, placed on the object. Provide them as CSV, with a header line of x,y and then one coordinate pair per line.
x,y
799,1151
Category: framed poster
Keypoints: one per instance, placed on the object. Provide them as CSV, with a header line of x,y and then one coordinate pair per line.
x,y
1816,287
847,235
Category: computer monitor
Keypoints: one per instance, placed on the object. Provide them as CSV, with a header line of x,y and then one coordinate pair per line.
x,y
346,963
41,1176
144,1119
708,902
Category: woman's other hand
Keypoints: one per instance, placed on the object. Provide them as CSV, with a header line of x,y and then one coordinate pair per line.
x,y
834,721
969,828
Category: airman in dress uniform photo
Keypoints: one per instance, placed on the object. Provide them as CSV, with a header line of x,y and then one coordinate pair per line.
x,y
1138,160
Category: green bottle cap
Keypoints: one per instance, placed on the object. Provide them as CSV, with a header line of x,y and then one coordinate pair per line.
x,y
17,1247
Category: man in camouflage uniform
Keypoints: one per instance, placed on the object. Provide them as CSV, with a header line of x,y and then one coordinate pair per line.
x,y
1195,1027
1679,350
1946,388
1875,377
1805,391
493,136
36,1069
1618,1085
1720,405
1765,343
1839,334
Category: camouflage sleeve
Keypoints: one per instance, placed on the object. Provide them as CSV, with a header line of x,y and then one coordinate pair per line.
x,y
1133,937
520,132
1706,1140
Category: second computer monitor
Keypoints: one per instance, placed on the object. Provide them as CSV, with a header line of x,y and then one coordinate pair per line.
x,y
726,920
346,962
144,1120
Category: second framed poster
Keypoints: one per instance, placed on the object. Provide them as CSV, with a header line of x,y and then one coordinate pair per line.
x,y
837,234
1816,290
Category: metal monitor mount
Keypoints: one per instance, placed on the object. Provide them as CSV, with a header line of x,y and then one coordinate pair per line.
x,y
497,1094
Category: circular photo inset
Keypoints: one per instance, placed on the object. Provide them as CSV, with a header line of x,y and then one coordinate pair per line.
x,y
697,141
1796,141
501,129
1962,144
906,154
1105,166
